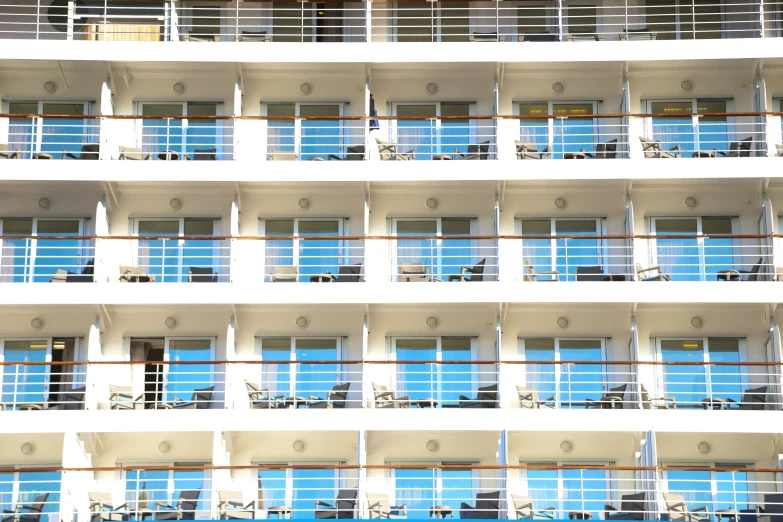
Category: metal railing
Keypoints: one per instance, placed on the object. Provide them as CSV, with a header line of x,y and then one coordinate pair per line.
x,y
423,259
43,259
314,259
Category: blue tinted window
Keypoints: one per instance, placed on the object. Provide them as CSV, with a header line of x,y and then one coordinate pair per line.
x,y
416,489
686,384
25,384
183,379
310,486
34,484
316,379
276,375
320,137
418,381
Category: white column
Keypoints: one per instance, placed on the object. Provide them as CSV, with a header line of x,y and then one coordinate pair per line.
x,y
75,485
107,143
361,455
235,257
221,478
101,253
93,374
237,111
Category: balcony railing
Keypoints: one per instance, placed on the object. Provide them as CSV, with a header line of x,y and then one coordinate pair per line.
x,y
348,21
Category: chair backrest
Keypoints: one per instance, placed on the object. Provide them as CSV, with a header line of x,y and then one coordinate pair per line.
x,y
285,273
379,389
349,273
188,500
478,271
651,148
754,398
676,512
131,153
339,395
633,504
346,503
387,150
381,499
202,396
90,151
489,501
282,156
201,275
754,272
617,391
745,146
646,403
773,504
606,150
483,150
205,154
488,396
528,397
252,387
73,399
413,272
355,153
522,504
589,273
38,505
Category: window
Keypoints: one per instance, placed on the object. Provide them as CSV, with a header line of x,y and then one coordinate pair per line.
x,y
697,258
163,382
301,377
718,490
684,19
569,489
692,133
571,384
441,257
442,382
27,487
186,129
170,260
562,255
50,135
297,488
37,260
569,131
421,489
311,256
690,384
316,138
144,488
433,136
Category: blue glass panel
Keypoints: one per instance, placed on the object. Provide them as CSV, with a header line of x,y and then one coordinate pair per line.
x,y
320,138
310,486
160,257
282,136
456,378
192,480
54,254
418,381
144,489
585,490
21,136
578,382
17,257
276,377
677,256
6,490
201,253
317,256
542,487
202,134
417,250
416,489
182,379
725,381
686,384
316,379
272,488
162,135
32,484
455,135
694,485
457,488
732,490
63,134
573,252
24,384
541,376
417,135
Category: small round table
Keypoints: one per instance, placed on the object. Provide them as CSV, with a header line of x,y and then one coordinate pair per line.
x,y
579,515
574,155
296,402
715,404
168,155
428,403
703,154
29,407
442,157
729,514
442,511
728,275
280,511
321,278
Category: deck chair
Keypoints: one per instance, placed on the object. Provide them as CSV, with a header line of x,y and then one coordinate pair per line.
x,y
524,509
606,150
70,400
201,275
413,272
335,398
487,397
232,507
121,398
101,508
528,399
532,275
355,153
631,508
348,274
652,273
132,153
779,149
652,149
678,509
752,399
638,34
200,400
737,149
203,155
388,399
252,36
656,403
477,273
27,512
344,506
279,155
388,151
7,153
378,507
284,274
589,273
89,152
537,37
134,274
773,508
611,400
478,36
487,506
185,509
584,37
479,151
529,151
261,398
753,273
195,37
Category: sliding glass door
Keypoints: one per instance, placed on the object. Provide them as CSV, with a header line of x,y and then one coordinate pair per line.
x,y
317,254
684,19
431,136
300,133
171,260
291,369
581,248
37,260
47,134
25,384
187,128
693,249
421,489
585,490
145,488
298,488
569,130
718,490
442,257
430,380
25,487
674,122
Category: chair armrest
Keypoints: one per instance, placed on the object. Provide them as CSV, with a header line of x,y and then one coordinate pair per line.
x,y
314,398
282,396
700,508
677,505
323,504
607,507
251,505
163,504
384,394
67,154
333,157
124,506
651,269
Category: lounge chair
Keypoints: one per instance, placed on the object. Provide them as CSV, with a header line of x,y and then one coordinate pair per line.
x,y
388,152
282,156
261,398
378,507
656,403
477,273
121,398
232,507
101,508
335,398
203,155
198,401
779,149
344,506
253,36
584,37
478,36
752,399
611,400
72,399
735,275
737,149
652,149
388,399
678,509
413,272
355,153
529,151
524,509
638,34
132,153
27,512
606,150
479,151
194,37
528,399
201,275
284,274
589,273
65,276
773,508
487,506
134,274
487,397
348,274
631,508
185,509
7,153
652,273
89,152
532,275
537,37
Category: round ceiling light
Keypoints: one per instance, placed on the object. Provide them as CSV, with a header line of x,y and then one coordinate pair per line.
x,y
432,322
298,445
50,87
432,445
44,203
175,203
37,323
696,322
170,323
686,86
178,88
27,448
562,322
301,322
164,446
558,88
432,203
306,89
560,203
303,203
432,88
691,202
566,446
704,448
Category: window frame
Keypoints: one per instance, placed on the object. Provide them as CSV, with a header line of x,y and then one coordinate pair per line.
x,y
293,364
391,476
182,151
343,247
343,127
341,476
710,466
437,128
649,124
48,367
16,482
89,131
596,122
170,489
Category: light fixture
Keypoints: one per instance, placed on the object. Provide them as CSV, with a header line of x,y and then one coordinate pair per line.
x,y
178,88
562,322
432,88
558,88
696,322
44,203
299,446
164,446
566,446
686,86
301,322
27,448
704,447
560,203
432,322
432,445
303,203
175,203
691,202
170,323
306,89
50,87
37,323
431,203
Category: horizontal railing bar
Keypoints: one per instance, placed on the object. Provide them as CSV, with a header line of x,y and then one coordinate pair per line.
x,y
404,238
378,362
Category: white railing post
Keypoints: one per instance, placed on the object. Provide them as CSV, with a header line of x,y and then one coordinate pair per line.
x,y
69,34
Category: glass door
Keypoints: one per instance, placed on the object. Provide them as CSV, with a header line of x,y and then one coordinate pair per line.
x,y
49,135
674,123
685,20
320,137
37,260
697,258
442,382
319,254
570,130
184,129
306,138
442,257
301,377
718,490
581,246
171,260
183,377
25,384
569,490
433,137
